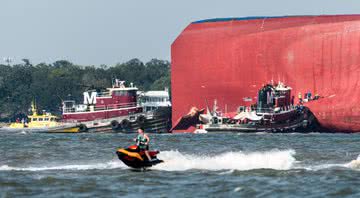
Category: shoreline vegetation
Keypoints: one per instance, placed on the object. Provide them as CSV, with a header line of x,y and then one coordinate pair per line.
x,y
50,84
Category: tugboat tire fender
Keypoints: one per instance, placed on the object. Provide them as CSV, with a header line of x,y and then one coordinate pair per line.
x,y
114,124
125,124
82,128
141,120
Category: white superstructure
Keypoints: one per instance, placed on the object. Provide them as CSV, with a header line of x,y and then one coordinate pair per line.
x,y
152,100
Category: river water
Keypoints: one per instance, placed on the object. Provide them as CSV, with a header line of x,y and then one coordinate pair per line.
x,y
196,165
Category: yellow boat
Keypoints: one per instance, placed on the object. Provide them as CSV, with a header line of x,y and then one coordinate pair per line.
x,y
70,129
45,122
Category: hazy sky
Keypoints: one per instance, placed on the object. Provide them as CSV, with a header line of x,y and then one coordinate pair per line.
x,y
94,32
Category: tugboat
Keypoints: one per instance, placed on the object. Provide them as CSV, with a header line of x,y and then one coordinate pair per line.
x,y
274,112
45,122
116,109
157,106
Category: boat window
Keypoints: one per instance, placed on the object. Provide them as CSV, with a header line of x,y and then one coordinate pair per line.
x,y
120,93
51,119
46,119
34,119
132,93
154,99
40,119
69,104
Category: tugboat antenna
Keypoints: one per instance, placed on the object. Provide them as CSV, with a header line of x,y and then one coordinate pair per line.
x,y
207,108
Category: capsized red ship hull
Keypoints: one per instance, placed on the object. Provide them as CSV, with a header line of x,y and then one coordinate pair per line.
x,y
230,59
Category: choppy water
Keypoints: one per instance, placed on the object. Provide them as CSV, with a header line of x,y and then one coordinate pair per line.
x,y
196,165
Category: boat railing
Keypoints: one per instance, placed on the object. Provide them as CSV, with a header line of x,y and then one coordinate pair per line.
x,y
149,114
264,110
68,110
156,104
100,107
117,106
275,110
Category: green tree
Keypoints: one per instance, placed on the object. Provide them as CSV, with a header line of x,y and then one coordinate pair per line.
x,y
49,84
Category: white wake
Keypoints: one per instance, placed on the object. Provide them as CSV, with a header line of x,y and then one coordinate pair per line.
x,y
176,161
108,165
354,164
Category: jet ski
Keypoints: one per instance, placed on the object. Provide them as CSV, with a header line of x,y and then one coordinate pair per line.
x,y
134,158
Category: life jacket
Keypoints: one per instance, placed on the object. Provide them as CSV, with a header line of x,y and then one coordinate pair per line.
x,y
141,140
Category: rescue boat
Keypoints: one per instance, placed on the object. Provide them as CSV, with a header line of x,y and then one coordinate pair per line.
x,y
45,122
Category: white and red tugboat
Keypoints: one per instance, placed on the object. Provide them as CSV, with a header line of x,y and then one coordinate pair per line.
x,y
274,112
116,109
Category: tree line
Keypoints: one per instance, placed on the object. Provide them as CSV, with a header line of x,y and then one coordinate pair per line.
x,y
49,84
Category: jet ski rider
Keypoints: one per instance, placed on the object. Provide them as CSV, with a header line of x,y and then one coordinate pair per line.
x,y
142,141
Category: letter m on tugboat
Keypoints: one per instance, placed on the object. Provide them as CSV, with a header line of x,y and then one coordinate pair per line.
x,y
90,99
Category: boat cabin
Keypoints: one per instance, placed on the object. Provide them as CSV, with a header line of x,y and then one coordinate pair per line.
x,y
274,98
116,97
152,100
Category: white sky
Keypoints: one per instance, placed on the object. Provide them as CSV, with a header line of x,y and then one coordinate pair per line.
x,y
94,32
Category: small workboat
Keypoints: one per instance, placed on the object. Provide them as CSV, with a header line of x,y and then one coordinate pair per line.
x,y
45,122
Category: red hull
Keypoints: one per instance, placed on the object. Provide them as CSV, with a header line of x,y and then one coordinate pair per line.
x,y
228,60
